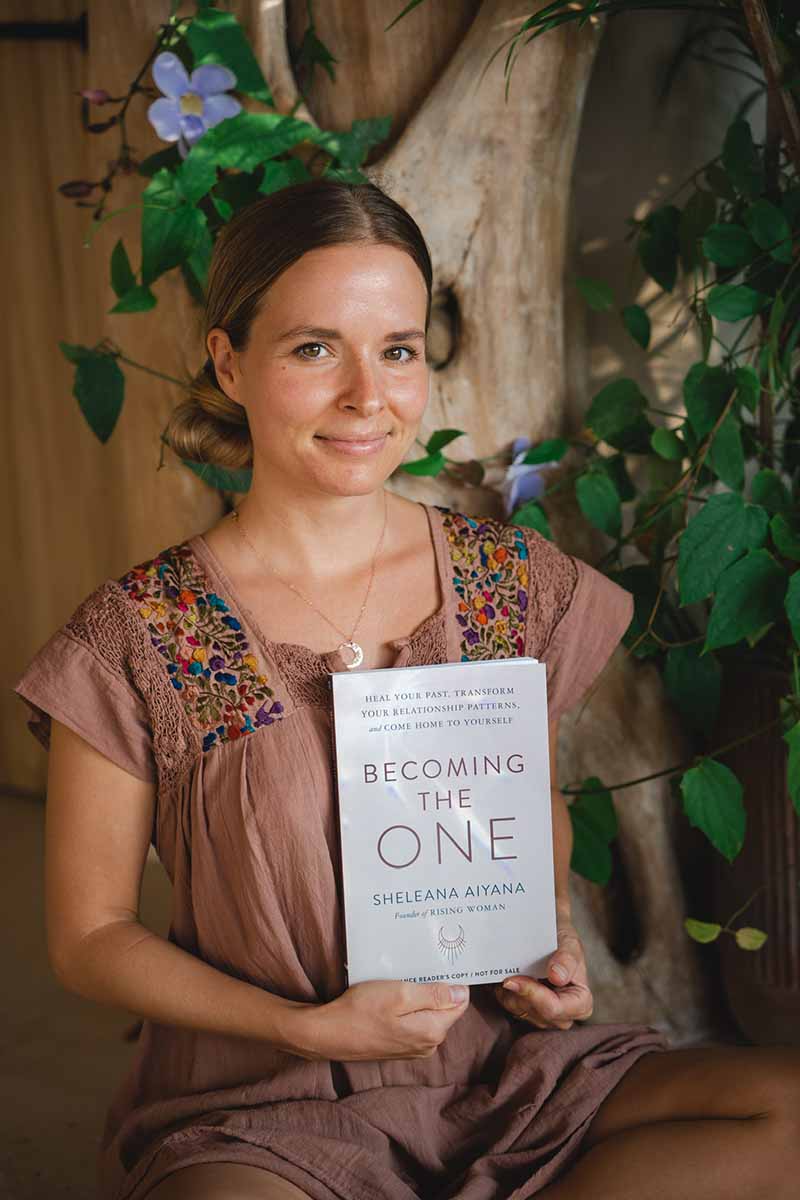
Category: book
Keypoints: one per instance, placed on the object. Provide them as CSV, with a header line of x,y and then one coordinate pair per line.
x,y
442,781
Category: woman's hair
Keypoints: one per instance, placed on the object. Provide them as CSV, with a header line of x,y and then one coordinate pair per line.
x,y
249,254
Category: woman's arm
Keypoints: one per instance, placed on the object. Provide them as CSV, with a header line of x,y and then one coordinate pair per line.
x,y
562,832
97,832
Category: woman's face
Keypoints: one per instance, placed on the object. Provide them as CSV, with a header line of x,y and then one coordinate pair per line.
x,y
336,351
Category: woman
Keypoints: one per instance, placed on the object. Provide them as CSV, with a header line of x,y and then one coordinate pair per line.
x,y
187,704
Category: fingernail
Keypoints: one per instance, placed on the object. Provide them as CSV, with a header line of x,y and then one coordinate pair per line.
x,y
559,971
513,985
458,993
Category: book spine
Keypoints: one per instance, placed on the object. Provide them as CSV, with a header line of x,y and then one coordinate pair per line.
x,y
338,824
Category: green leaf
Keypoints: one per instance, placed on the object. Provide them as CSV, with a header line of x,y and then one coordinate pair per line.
x,y
741,159
217,37
279,175
551,450
792,739
749,387
748,938
138,299
75,353
598,295
614,467
599,501
237,189
769,490
241,143
792,605
667,444
712,801
770,229
345,174
199,260
123,279
169,158
442,437
729,245
786,536
693,681
734,301
431,464
313,52
222,478
171,228
224,209
702,931
99,388
533,515
705,391
698,213
726,456
637,323
790,204
642,581
659,245
594,827
715,538
352,146
616,407
749,597
719,181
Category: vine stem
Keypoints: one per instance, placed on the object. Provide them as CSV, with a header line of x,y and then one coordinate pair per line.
x,y
151,371
697,758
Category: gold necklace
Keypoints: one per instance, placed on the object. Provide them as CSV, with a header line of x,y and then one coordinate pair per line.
x,y
350,644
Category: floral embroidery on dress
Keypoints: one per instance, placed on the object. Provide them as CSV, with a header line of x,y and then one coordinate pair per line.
x,y
490,576
207,655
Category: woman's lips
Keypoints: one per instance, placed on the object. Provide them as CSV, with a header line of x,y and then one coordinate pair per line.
x,y
366,447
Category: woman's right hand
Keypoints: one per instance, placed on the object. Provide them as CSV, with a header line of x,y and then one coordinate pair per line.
x,y
378,1018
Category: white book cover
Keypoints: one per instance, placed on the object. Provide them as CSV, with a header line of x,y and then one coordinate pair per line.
x,y
445,822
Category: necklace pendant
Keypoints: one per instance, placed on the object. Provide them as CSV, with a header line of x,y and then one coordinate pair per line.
x,y
357,652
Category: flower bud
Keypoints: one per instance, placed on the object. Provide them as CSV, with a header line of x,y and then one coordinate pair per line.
x,y
96,95
76,188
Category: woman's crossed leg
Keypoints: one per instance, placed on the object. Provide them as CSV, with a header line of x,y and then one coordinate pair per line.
x,y
225,1181
699,1123
706,1122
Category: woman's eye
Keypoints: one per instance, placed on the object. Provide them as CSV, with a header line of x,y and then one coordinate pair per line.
x,y
412,354
305,347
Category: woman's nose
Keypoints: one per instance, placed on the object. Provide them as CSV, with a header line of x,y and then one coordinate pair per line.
x,y
362,390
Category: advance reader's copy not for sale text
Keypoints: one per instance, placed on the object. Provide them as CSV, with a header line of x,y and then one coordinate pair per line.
x,y
445,820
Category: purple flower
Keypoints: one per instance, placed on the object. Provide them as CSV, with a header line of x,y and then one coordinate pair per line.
x,y
522,481
190,106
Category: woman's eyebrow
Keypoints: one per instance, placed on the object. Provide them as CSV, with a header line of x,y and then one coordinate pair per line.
x,y
334,334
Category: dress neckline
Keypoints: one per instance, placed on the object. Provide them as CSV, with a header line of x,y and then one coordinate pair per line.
x,y
327,660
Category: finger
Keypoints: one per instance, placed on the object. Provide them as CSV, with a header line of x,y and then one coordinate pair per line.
x,y
533,997
573,1002
561,968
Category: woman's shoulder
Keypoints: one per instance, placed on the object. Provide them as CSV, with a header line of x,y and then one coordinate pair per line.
x,y
513,585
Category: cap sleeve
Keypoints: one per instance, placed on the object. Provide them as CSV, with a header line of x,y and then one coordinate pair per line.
x,y
576,618
83,676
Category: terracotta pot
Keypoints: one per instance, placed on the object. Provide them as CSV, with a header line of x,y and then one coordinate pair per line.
x,y
762,986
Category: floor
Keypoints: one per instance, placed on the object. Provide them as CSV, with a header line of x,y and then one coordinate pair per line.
x,y
62,1055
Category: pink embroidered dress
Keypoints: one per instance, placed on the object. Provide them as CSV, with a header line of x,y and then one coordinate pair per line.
x,y
164,671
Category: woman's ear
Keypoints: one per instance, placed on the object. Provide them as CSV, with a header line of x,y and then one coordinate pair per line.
x,y
225,361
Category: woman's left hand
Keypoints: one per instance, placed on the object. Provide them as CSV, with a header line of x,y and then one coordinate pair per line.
x,y
556,1002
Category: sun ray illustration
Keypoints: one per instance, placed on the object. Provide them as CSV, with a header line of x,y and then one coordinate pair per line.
x,y
452,947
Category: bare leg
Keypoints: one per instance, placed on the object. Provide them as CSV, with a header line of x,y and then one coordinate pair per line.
x,y
721,1159
225,1181
718,1122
